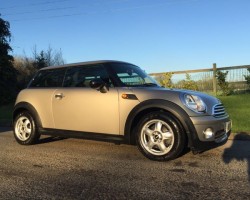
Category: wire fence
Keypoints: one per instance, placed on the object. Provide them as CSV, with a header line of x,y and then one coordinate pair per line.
x,y
205,79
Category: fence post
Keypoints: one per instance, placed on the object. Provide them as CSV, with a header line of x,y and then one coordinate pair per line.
x,y
214,79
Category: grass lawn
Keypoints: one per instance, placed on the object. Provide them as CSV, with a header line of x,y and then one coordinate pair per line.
x,y
238,107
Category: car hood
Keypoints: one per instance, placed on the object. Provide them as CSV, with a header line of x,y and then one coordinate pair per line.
x,y
175,96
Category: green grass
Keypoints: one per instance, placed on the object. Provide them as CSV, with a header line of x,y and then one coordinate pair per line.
x,y
238,107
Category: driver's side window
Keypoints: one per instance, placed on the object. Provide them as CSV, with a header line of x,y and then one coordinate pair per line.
x,y
80,76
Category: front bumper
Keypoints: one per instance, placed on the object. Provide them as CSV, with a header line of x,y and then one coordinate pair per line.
x,y
220,127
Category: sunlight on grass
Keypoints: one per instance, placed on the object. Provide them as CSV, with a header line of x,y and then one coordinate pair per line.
x,y
238,107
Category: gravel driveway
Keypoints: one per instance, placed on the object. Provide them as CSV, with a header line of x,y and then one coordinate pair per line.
x,y
82,169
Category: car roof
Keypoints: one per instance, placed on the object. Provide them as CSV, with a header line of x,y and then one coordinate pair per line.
x,y
84,63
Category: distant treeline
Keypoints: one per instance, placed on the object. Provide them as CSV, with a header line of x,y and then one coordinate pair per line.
x,y
24,68
16,71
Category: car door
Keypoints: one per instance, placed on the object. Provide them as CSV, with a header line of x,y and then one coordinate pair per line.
x,y
41,91
78,107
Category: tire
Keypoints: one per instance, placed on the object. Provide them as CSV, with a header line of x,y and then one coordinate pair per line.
x,y
25,129
160,137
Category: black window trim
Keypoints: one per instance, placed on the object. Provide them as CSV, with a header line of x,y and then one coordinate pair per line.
x,y
60,68
108,66
89,65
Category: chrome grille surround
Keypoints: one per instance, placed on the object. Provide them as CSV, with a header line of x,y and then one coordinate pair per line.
x,y
219,111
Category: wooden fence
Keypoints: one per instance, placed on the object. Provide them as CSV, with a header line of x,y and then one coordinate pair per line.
x,y
206,78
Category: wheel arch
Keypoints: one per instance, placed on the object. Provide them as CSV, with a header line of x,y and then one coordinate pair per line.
x,y
25,106
159,105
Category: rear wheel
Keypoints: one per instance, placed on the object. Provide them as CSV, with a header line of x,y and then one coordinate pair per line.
x,y
25,130
160,137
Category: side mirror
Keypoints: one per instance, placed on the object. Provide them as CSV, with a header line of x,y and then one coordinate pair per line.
x,y
99,85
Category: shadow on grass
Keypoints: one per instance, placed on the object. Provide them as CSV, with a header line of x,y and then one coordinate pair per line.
x,y
240,151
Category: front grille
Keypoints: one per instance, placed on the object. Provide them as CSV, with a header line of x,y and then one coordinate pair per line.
x,y
219,110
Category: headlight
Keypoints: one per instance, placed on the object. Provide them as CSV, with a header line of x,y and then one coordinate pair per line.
x,y
194,103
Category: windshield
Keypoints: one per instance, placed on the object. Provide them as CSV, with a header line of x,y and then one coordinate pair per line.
x,y
132,76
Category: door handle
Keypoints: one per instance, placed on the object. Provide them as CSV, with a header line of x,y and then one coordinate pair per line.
x,y
59,96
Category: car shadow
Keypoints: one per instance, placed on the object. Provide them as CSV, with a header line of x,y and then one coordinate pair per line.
x,y
50,139
239,150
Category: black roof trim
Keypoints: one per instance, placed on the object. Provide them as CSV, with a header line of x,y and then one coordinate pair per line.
x,y
84,63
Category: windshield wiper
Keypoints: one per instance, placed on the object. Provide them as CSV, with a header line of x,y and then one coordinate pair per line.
x,y
149,84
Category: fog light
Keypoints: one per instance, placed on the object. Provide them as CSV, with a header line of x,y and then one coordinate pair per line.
x,y
208,133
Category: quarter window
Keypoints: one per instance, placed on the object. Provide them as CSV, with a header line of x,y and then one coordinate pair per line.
x,y
48,78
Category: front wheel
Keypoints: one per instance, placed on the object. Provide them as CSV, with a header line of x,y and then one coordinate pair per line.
x,y
25,130
160,137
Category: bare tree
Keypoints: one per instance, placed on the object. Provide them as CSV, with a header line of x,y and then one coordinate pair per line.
x,y
58,58
26,67
25,70
49,57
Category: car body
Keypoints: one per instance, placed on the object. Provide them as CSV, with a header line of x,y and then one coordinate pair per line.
x,y
117,101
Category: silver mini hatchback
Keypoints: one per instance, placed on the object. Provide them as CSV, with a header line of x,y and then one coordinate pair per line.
x,y
117,101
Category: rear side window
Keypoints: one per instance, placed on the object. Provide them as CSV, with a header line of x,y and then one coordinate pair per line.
x,y
48,78
80,76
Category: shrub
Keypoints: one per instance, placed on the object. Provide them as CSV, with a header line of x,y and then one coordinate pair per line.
x,y
247,78
165,80
224,85
189,84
